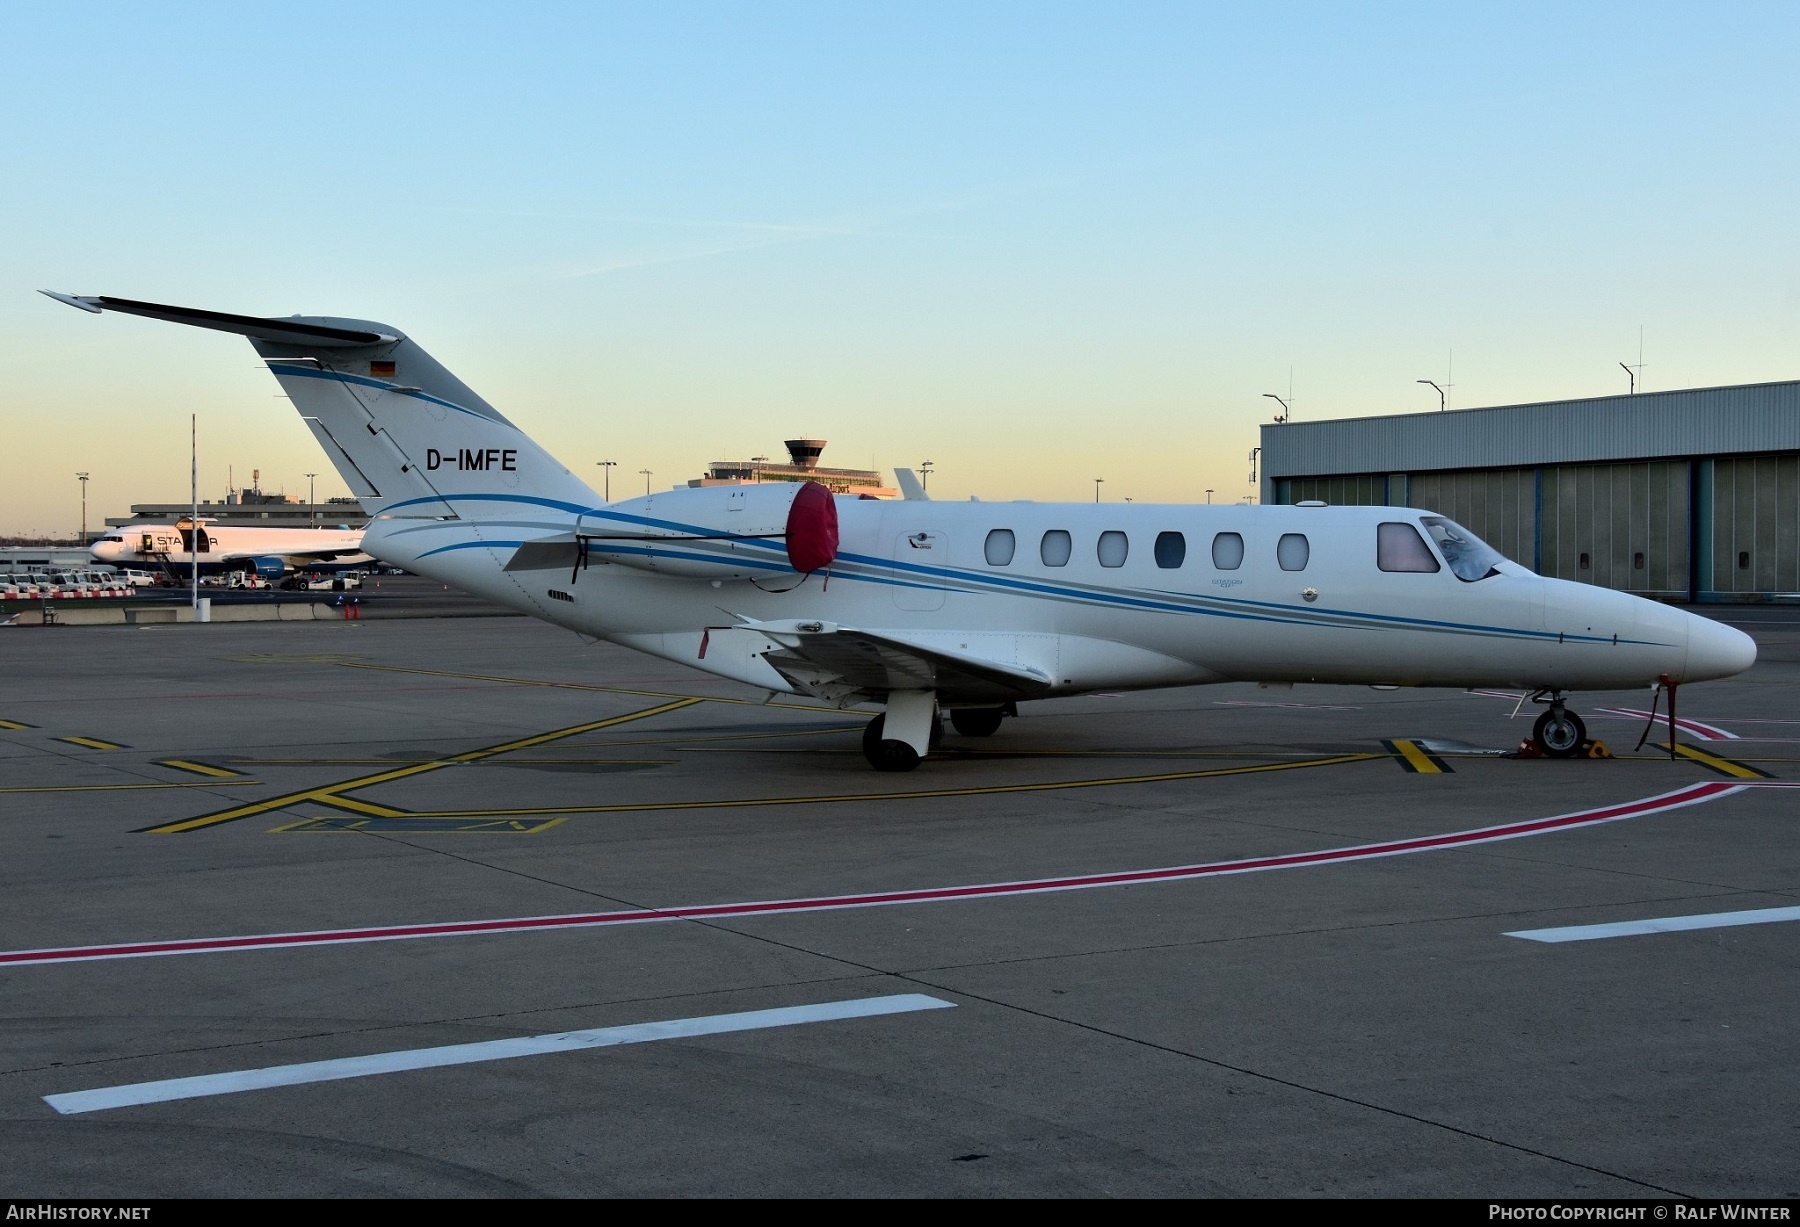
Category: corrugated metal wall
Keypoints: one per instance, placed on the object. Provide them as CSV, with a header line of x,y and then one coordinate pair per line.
x,y
1743,420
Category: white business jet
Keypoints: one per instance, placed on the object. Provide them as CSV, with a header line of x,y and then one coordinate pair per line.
x,y
271,552
921,606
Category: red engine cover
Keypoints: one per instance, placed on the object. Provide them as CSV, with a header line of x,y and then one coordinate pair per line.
x,y
812,529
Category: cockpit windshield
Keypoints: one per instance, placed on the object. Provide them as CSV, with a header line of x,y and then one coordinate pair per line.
x,y
1470,557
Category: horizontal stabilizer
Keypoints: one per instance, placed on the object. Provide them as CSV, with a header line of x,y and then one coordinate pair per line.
x,y
554,554
289,331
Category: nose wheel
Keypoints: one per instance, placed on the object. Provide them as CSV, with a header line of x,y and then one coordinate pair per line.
x,y
1559,732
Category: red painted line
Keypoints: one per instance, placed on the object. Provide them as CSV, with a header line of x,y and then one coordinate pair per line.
x,y
1693,794
1705,732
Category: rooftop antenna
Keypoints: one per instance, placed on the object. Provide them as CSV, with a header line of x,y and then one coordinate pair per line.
x,y
1633,373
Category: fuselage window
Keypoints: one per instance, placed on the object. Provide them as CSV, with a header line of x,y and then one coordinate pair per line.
x,y
1292,551
1228,551
1171,550
1055,548
1398,547
1112,549
1470,557
999,547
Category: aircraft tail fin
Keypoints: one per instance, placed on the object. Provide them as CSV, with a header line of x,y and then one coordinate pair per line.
x,y
407,436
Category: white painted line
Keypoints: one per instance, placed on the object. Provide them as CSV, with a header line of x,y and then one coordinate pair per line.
x,y
104,1097
1661,924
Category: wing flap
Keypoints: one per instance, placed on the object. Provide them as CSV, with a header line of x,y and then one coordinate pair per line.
x,y
833,659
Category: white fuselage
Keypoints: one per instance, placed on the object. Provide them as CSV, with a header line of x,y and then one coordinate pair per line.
x,y
922,569
226,545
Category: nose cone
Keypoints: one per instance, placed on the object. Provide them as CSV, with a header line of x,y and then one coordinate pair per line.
x,y
1716,650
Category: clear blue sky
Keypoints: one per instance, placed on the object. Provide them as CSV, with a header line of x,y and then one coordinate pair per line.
x,y
1035,243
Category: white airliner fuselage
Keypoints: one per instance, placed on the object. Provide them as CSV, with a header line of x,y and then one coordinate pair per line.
x,y
228,547
921,606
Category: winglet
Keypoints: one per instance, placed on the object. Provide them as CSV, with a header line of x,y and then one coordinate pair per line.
x,y
85,304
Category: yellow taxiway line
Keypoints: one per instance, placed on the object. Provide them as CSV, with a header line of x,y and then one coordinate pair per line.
x,y
1724,766
122,787
331,794
983,790
530,681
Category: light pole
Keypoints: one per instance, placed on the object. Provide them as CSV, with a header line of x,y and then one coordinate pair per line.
x,y
1430,384
925,476
83,478
312,504
646,473
1286,413
1254,453
606,467
1097,482
1632,376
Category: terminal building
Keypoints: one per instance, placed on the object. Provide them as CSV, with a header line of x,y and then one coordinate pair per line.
x,y
1691,495
803,465
252,509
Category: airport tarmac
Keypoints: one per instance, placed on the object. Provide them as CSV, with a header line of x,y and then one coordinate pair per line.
x,y
289,907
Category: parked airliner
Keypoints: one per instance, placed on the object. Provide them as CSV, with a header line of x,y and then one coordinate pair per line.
x,y
921,606
271,552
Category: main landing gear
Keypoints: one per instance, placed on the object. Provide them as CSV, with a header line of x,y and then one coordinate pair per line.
x,y
910,728
1559,732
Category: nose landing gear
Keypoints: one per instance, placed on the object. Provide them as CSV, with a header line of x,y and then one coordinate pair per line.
x,y
1559,732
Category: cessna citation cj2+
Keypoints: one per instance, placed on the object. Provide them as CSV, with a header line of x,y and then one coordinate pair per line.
x,y
922,606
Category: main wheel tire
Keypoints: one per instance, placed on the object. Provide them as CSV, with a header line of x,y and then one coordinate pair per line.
x,y
885,754
977,721
1559,733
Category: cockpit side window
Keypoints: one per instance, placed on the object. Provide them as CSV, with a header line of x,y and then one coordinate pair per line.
x,y
1470,557
1398,547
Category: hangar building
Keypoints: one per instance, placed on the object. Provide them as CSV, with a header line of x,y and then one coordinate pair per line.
x,y
1691,495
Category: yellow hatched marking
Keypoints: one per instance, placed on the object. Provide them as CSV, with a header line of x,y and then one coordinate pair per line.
x,y
1416,757
329,794
1724,766
183,764
920,794
93,743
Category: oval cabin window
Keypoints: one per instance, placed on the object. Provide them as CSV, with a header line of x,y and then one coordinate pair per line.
x,y
1292,551
1113,549
1228,551
1055,548
999,547
1171,550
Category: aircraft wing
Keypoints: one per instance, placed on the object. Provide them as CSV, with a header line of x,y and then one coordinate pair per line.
x,y
836,662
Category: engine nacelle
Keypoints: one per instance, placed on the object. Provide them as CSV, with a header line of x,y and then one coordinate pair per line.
x,y
268,567
720,532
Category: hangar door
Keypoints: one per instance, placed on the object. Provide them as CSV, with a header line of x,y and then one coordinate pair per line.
x,y
1755,535
1622,526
